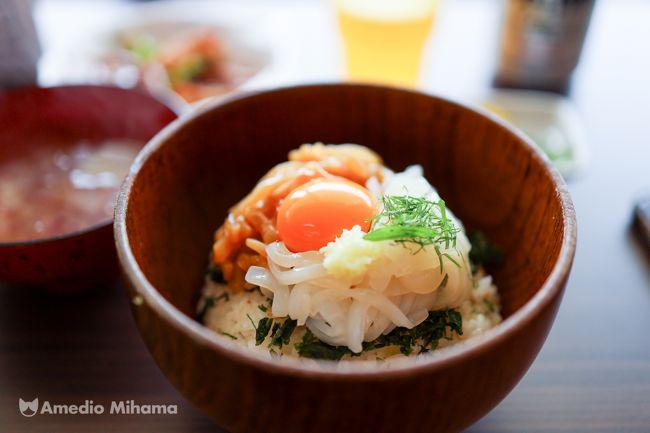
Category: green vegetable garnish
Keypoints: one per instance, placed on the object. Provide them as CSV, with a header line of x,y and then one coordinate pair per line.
x,y
262,330
210,302
144,48
282,333
415,220
189,70
227,335
422,338
215,274
312,347
483,251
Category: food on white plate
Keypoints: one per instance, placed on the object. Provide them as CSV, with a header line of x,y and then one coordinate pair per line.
x,y
191,61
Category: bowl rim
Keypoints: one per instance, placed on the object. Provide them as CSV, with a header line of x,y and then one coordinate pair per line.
x,y
355,370
104,223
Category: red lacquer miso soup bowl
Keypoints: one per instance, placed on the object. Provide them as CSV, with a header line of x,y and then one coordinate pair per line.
x,y
63,154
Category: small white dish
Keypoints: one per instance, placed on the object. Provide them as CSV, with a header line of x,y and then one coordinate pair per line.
x,y
550,120
243,41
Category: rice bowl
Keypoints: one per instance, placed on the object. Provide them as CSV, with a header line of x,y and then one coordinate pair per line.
x,y
185,180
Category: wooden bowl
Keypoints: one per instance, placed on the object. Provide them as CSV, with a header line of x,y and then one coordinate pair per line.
x,y
491,177
73,261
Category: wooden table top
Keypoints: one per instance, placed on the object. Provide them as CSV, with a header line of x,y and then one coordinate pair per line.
x,y
593,374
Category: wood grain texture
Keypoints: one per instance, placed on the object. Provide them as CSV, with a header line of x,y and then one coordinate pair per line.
x,y
593,373
489,176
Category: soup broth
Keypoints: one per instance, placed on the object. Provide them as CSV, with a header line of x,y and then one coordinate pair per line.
x,y
53,190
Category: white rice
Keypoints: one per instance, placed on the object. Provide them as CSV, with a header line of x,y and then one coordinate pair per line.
x,y
236,316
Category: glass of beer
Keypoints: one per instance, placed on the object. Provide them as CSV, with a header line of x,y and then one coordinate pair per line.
x,y
384,39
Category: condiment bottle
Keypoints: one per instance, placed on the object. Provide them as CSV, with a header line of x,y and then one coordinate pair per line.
x,y
541,41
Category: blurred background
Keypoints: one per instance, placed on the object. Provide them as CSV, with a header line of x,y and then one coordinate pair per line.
x,y
572,74
185,51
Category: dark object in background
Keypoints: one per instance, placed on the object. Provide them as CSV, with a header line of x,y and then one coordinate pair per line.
x,y
19,48
541,41
641,222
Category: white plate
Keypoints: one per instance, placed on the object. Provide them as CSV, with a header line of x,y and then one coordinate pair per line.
x,y
80,59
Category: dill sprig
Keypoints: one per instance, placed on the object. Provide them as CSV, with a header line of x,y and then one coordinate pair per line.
x,y
415,220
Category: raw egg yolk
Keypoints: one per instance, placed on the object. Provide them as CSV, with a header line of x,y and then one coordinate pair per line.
x,y
315,213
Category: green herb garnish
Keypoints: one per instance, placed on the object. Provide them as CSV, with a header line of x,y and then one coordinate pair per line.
x,y
282,334
423,338
444,282
312,347
276,325
483,251
263,307
190,69
262,330
227,335
415,220
144,48
211,301
215,274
